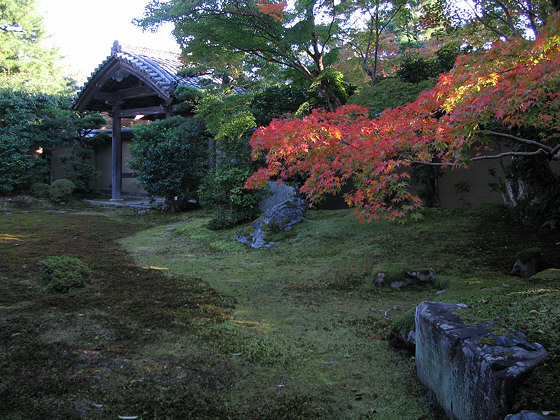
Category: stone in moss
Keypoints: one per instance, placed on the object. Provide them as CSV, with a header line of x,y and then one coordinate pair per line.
x,y
488,341
526,262
550,274
528,254
392,271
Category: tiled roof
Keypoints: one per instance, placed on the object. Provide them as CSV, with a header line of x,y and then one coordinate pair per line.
x,y
159,66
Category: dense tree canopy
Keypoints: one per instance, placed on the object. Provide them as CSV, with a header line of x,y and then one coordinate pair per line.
x,y
228,34
508,93
32,126
25,63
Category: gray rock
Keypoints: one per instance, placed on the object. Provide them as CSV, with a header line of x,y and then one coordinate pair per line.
x,y
379,280
529,415
280,193
525,268
404,278
411,338
526,262
422,275
398,284
281,217
470,368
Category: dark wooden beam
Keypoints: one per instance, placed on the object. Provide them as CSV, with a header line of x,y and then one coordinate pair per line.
x,y
150,110
130,93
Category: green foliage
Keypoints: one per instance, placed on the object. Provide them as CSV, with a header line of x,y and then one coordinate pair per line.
x,y
228,34
61,190
389,93
277,101
418,69
18,129
189,96
227,114
80,150
330,83
230,120
64,273
25,64
222,191
537,188
40,190
169,157
32,126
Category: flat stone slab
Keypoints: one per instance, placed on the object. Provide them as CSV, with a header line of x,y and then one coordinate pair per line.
x,y
138,203
470,368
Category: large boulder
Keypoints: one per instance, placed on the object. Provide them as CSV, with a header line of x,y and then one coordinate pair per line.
x,y
470,368
281,217
279,194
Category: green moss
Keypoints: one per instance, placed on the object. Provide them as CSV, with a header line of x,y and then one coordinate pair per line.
x,y
202,324
401,327
528,254
488,341
64,273
550,274
442,281
247,231
289,204
392,271
488,211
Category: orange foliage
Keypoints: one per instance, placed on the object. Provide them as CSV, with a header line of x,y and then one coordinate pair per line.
x,y
276,11
516,84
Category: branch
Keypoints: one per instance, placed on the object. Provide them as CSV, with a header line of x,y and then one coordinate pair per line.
x,y
504,154
515,138
485,157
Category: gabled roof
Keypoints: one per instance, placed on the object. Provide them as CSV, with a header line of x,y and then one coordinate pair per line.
x,y
136,78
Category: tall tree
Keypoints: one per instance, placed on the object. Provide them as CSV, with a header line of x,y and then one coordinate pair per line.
x,y
25,63
368,31
223,33
501,19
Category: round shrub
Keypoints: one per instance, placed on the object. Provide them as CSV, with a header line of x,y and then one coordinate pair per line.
x,y
40,190
63,273
61,190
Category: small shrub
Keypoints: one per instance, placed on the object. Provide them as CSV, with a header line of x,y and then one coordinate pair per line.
x,y
40,190
63,273
222,191
61,190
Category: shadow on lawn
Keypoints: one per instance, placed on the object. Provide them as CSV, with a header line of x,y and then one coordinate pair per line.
x,y
97,352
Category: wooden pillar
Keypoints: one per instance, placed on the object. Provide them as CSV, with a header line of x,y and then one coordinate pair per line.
x,y
116,155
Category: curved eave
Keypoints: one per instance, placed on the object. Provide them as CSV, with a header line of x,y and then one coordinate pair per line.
x,y
116,68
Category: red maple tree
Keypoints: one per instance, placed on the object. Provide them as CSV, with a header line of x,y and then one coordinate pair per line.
x,y
514,86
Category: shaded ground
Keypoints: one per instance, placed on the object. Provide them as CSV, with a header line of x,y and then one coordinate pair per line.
x,y
197,324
